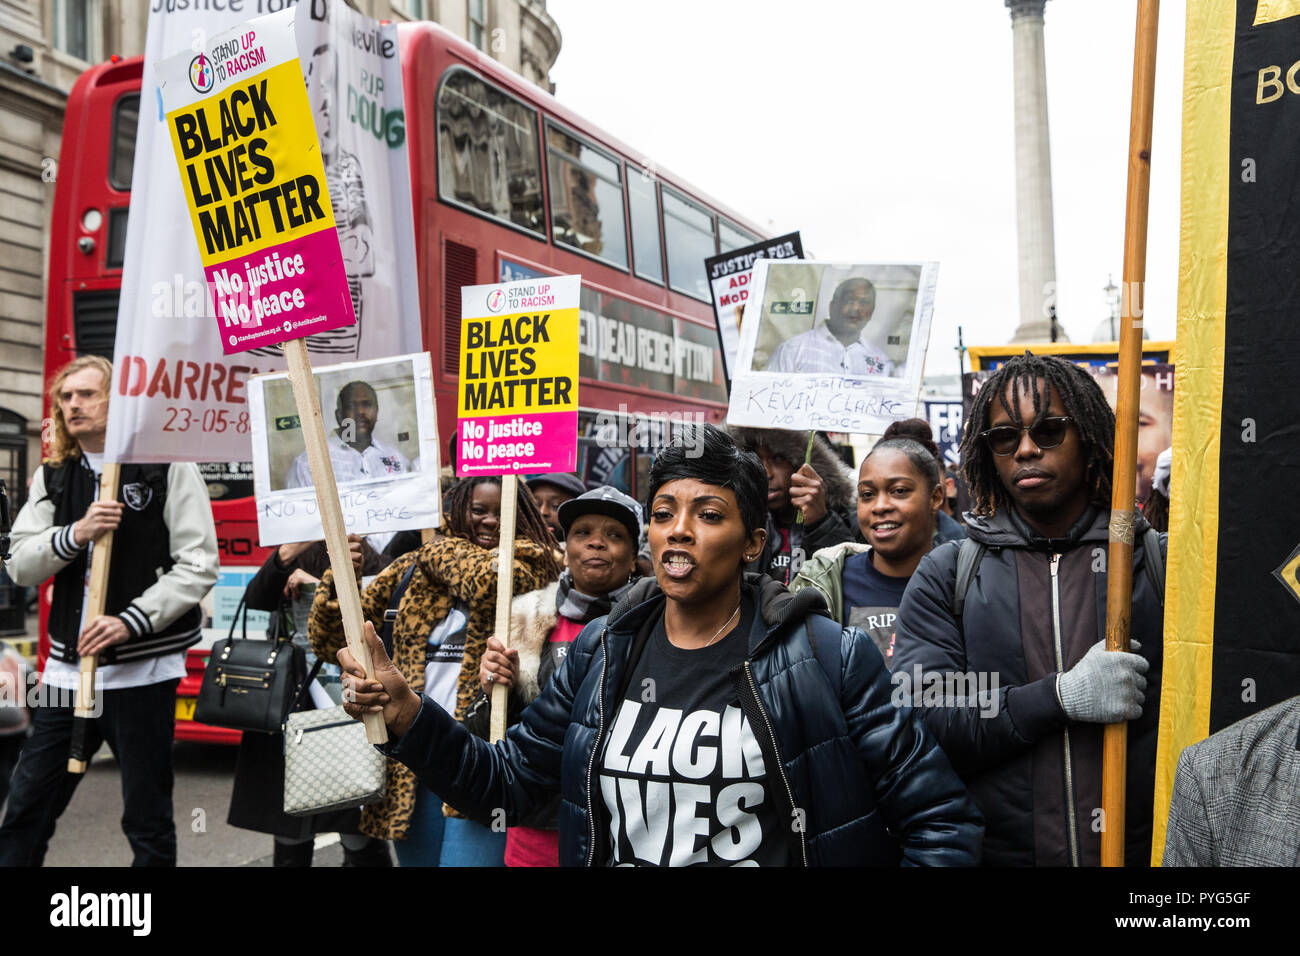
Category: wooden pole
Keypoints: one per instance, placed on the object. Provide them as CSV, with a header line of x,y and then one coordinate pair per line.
x,y
101,554
331,516
1119,578
505,567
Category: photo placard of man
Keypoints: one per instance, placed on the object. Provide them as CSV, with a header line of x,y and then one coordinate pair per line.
x,y
355,452
166,561
841,343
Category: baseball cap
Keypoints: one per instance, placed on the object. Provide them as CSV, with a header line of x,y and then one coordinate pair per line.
x,y
565,482
604,500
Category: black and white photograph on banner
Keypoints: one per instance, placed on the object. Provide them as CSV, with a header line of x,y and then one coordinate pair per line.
x,y
381,432
832,346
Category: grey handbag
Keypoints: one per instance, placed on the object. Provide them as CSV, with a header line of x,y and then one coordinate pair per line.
x,y
328,763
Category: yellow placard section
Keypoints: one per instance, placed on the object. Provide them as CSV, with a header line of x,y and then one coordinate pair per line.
x,y
1198,400
250,165
1289,574
1269,11
987,356
525,363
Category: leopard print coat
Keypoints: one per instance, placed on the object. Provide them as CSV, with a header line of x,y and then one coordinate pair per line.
x,y
453,568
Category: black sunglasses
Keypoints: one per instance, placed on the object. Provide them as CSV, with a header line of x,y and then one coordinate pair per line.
x,y
1045,433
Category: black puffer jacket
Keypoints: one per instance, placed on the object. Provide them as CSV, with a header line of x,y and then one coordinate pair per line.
x,y
850,768
1015,749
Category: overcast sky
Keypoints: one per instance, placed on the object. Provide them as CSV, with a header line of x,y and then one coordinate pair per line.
x,y
884,131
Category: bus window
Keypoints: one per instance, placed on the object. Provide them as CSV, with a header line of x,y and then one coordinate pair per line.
x,y
645,227
488,158
126,116
586,198
689,232
115,248
731,237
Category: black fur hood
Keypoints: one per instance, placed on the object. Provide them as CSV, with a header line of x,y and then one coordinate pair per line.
x,y
789,446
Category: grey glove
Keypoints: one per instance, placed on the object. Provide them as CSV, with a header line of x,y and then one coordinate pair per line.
x,y
1106,687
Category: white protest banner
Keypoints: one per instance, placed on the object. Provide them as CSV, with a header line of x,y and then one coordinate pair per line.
x,y
383,444
729,276
832,347
243,135
176,396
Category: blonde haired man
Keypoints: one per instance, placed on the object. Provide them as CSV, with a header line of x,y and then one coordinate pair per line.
x,y
165,560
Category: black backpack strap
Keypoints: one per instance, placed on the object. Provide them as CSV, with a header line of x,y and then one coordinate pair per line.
x,y
828,650
968,562
390,615
1154,559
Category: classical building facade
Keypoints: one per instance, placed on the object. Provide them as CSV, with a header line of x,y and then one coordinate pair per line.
x,y
44,46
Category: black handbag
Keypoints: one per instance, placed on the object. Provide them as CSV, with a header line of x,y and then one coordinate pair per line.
x,y
251,684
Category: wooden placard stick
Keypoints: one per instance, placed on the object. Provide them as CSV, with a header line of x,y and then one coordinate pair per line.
x,y
1119,563
331,516
505,590
101,553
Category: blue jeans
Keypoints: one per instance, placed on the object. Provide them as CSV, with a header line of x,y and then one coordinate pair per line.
x,y
137,723
465,843
423,843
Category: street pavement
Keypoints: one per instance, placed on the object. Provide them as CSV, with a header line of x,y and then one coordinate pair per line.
x,y
90,834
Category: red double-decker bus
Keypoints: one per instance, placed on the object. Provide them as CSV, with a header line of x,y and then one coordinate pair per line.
x,y
506,184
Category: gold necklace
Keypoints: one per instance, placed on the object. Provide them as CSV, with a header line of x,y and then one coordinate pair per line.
x,y
724,624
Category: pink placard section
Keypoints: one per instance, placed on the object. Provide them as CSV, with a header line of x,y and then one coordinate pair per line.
x,y
286,291
505,444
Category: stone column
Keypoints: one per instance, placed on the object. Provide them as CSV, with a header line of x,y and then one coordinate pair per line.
x,y
1034,231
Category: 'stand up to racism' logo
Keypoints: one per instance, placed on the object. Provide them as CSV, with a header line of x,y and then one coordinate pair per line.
x,y
201,75
495,300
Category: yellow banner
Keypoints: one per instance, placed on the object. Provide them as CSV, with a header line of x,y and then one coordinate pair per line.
x,y
519,364
1198,400
250,165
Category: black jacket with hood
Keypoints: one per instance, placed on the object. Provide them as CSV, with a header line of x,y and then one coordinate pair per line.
x,y
848,763
1035,775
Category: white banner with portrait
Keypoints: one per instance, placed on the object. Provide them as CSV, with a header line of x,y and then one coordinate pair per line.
x,y
832,347
175,395
382,435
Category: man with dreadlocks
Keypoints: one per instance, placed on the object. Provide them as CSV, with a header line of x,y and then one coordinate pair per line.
x,y
1020,609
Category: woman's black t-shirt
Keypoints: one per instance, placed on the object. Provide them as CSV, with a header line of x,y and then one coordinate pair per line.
x,y
681,774
871,601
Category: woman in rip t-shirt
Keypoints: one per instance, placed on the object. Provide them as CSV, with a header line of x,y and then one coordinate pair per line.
x,y
711,719
900,491
601,530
